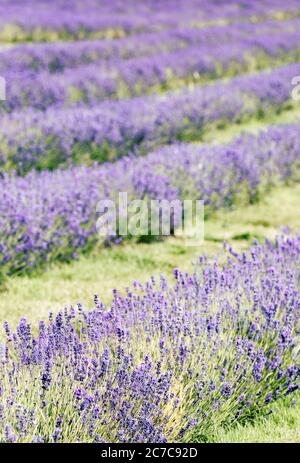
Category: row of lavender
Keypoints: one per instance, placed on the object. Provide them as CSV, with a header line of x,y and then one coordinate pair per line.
x,y
31,139
52,215
89,84
66,19
58,56
163,363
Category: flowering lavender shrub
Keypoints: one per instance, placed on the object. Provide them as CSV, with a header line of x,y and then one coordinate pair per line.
x,y
163,362
58,56
52,215
65,20
32,139
125,78
57,20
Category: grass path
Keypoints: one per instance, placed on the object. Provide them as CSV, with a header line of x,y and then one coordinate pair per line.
x,y
226,133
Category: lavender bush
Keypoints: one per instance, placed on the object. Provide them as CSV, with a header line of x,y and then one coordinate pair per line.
x,y
52,215
163,363
58,56
68,20
125,78
110,130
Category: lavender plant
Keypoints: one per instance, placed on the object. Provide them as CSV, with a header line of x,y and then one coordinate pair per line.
x,y
165,362
111,19
59,56
136,76
96,82
32,139
52,215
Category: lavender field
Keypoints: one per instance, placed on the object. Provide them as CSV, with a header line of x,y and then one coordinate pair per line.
x,y
136,336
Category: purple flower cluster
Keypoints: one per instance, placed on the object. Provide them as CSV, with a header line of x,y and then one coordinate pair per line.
x,y
31,139
165,362
92,83
52,215
68,19
58,56
77,19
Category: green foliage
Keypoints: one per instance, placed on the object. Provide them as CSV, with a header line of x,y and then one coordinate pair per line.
x,y
282,425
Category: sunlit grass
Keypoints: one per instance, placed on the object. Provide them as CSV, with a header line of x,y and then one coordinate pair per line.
x,y
225,134
281,426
